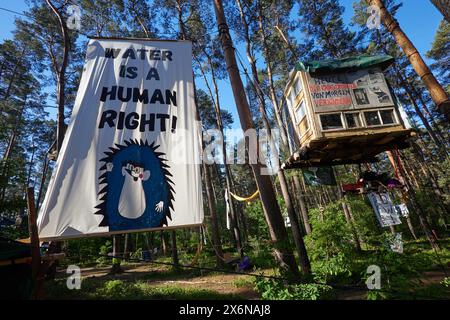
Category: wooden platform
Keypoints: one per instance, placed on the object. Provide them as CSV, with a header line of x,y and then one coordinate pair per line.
x,y
354,148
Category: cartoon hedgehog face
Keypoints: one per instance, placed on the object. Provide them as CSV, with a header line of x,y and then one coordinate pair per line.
x,y
136,171
136,192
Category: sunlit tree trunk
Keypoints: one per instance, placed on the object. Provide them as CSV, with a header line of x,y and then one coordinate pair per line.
x,y
444,7
271,209
217,245
436,91
60,71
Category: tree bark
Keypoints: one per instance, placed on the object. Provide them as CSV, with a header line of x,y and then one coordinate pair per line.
x,y
126,246
116,253
283,252
228,180
303,208
175,259
395,159
41,185
217,244
273,96
433,136
61,75
295,226
346,209
444,7
163,243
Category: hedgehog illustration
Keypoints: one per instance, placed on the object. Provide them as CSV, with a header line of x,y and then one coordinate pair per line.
x,y
136,189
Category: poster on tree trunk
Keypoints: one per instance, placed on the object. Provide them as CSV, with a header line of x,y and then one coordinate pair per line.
x,y
384,209
130,156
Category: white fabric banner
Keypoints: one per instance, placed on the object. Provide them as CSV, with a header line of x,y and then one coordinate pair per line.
x,y
130,159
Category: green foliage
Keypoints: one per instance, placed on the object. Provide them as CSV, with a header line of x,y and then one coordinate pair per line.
x,y
271,289
243,282
124,290
444,180
104,250
329,244
256,220
365,221
440,51
400,274
88,251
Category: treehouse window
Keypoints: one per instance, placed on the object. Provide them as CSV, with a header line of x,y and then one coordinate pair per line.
x,y
300,112
387,116
297,87
353,120
372,118
331,121
378,118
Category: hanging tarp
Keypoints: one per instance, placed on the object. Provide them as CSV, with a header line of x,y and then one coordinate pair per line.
x,y
317,176
384,209
402,210
345,64
227,210
129,160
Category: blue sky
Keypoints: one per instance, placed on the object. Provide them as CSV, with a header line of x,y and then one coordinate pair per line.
x,y
418,18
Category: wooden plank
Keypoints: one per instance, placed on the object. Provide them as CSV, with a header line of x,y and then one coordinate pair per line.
x,y
26,260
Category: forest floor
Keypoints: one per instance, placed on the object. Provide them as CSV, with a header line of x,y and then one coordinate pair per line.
x,y
149,281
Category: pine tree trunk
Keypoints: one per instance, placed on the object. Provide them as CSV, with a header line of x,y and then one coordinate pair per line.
x,y
283,252
303,208
228,178
116,252
217,245
163,243
4,175
126,251
348,219
424,120
12,78
273,95
149,242
175,259
436,91
444,7
61,75
414,203
295,226
42,183
411,227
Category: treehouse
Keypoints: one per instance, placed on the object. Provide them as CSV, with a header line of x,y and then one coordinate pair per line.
x,y
342,112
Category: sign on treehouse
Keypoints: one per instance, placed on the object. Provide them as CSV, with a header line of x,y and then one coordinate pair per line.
x,y
130,156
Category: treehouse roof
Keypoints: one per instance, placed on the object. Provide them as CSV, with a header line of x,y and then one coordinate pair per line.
x,y
345,64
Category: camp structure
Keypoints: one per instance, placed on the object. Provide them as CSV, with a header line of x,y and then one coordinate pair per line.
x,y
342,112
